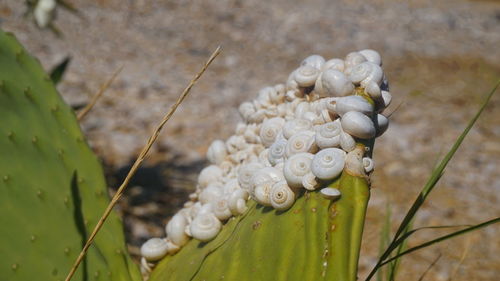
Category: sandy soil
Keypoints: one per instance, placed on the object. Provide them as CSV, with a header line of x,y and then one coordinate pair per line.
x,y
441,58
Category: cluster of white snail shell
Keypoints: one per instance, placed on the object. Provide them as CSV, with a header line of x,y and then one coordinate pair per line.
x,y
293,137
44,12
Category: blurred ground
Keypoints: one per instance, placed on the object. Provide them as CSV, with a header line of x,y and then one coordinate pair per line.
x,y
441,58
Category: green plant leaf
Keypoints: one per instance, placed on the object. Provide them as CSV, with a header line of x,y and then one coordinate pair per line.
x,y
316,239
58,71
443,238
429,186
52,188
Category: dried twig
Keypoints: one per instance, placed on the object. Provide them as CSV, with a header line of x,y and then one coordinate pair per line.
x,y
103,88
137,163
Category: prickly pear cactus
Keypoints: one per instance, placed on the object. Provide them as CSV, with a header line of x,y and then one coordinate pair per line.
x,y
316,239
285,197
52,189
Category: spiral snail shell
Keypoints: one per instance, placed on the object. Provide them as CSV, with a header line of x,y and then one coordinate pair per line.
x,y
216,152
246,173
382,124
294,126
154,249
353,103
366,72
328,134
221,209
357,124
372,56
263,180
296,167
336,64
306,75
210,193
282,196
205,227
351,60
276,152
301,142
209,175
330,193
368,164
347,142
336,83
237,202
270,130
175,229
315,61
328,163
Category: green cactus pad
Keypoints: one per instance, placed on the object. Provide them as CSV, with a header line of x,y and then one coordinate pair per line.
x,y
52,189
317,239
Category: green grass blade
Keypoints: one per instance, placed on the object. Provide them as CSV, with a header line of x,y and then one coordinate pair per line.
x,y
58,71
385,238
443,238
429,186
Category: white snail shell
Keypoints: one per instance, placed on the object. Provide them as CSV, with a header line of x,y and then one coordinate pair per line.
x,y
246,109
347,142
154,249
382,124
357,124
263,180
175,229
282,196
368,164
372,56
330,193
353,103
276,152
221,209
309,181
246,173
315,61
366,72
209,175
264,158
294,126
301,142
270,130
328,134
235,143
210,193
353,59
336,83
205,227
387,97
216,152
373,90
306,75
336,64
328,163
296,167
237,202
301,109
231,186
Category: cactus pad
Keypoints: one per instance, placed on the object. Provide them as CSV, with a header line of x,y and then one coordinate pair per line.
x,y
317,239
52,189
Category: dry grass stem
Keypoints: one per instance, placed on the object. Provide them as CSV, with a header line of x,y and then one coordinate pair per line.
x,y
103,88
137,163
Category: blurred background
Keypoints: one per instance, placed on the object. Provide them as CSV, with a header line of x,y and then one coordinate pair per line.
x,y
441,58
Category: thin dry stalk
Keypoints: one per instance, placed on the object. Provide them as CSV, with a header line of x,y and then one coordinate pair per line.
x,y
137,163
103,88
